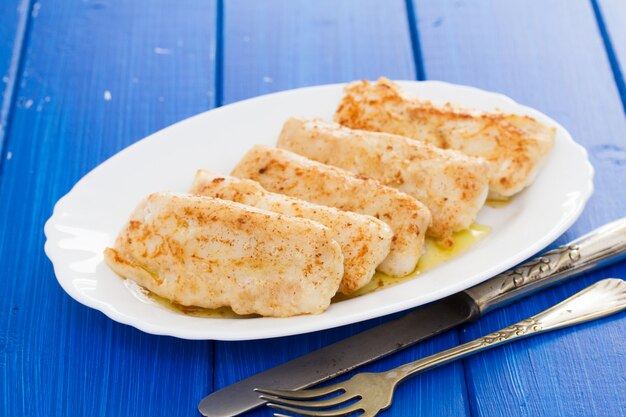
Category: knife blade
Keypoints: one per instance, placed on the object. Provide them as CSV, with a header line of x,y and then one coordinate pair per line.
x,y
335,359
601,247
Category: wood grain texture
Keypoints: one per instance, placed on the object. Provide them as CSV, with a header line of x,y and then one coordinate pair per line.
x,y
279,45
14,18
96,76
556,62
611,15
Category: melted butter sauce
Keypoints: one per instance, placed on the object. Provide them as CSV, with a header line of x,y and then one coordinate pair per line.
x,y
433,256
149,297
498,203
220,313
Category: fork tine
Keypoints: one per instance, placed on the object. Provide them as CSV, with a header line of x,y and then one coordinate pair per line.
x,y
303,394
330,402
315,413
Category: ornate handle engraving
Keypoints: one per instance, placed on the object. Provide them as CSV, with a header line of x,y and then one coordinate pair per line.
x,y
549,263
598,300
602,246
519,329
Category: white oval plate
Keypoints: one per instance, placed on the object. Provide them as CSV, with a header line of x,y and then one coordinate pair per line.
x,y
89,217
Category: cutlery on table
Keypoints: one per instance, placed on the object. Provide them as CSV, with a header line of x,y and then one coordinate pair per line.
x,y
374,391
601,247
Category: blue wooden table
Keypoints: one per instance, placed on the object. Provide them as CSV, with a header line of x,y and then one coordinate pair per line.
x,y
82,79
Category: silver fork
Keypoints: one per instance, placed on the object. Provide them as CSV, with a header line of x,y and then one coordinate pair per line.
x,y
374,391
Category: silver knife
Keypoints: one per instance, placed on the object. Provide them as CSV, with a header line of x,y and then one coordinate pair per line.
x,y
601,247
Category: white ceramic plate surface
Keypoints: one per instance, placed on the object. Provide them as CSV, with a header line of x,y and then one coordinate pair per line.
x,y
89,217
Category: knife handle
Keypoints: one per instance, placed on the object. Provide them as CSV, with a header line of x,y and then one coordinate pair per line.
x,y
601,247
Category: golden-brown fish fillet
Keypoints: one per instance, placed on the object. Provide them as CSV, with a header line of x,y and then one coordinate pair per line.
x,y
207,252
452,185
515,146
284,172
365,241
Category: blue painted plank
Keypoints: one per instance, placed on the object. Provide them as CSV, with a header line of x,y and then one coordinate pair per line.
x,y
555,61
96,76
14,18
611,15
279,45
276,45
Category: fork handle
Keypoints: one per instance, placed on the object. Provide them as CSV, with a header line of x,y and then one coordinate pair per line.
x,y
598,300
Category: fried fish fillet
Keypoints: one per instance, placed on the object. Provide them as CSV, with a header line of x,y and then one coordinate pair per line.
x,y
365,241
207,252
453,186
284,172
515,146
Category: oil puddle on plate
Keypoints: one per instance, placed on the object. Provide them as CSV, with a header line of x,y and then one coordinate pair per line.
x,y
434,255
149,297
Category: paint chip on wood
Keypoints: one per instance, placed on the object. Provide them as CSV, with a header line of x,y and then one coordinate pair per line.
x,y
162,51
107,95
